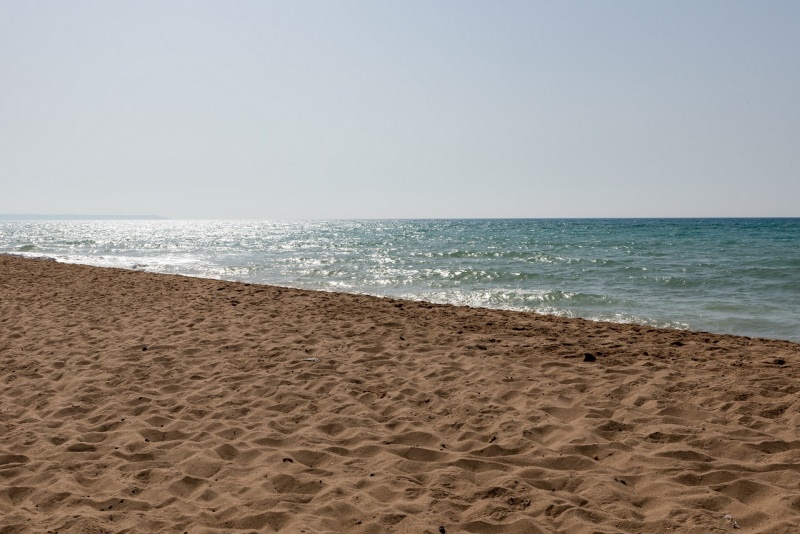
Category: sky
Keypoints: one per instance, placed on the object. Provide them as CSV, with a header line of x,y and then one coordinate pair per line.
x,y
400,109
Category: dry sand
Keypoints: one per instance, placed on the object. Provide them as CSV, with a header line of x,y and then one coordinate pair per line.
x,y
134,402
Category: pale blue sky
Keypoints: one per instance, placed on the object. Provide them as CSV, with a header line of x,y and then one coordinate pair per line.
x,y
350,109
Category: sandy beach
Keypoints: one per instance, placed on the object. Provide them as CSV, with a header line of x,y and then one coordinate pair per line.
x,y
136,402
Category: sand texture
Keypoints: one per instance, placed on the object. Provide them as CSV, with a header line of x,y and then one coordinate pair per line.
x,y
135,402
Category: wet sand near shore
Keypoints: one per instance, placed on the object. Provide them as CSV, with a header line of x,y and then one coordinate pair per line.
x,y
138,402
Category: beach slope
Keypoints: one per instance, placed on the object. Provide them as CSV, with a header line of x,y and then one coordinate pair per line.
x,y
139,402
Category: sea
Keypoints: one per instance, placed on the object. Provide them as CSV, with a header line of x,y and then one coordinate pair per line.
x,y
733,276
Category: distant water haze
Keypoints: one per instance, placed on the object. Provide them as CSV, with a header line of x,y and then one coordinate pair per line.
x,y
74,217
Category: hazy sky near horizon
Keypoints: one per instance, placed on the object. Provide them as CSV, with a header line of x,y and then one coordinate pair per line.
x,y
400,109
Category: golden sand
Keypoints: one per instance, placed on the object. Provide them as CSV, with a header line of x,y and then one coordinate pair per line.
x,y
135,402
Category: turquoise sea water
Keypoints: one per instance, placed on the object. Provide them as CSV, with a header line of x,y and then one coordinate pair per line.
x,y
739,276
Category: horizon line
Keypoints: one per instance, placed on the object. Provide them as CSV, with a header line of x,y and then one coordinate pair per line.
x,y
89,217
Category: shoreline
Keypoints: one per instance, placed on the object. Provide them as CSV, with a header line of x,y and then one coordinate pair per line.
x,y
643,271
401,299
159,402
